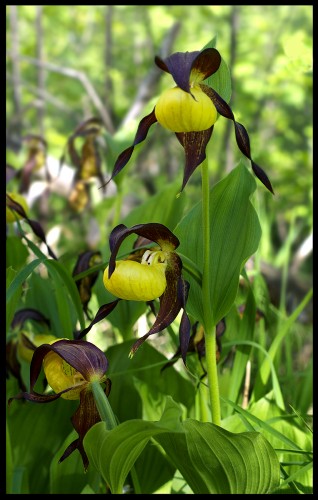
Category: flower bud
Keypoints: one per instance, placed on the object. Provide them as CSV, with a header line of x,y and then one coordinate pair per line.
x,y
180,111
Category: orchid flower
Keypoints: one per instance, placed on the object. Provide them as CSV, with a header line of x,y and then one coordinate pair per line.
x,y
70,367
190,110
147,274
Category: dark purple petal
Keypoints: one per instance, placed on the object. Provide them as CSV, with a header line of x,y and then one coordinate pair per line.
x,y
83,419
90,127
85,284
206,64
84,356
35,226
102,313
35,397
24,314
181,64
241,134
140,136
194,144
153,231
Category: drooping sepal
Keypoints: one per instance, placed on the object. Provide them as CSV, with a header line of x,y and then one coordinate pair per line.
x,y
35,226
101,314
241,134
140,136
85,261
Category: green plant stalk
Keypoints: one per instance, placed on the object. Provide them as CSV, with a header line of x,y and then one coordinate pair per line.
x,y
209,327
204,413
104,409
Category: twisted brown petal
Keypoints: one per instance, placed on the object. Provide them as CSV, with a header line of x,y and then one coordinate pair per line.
x,y
171,302
35,226
102,313
84,285
83,419
241,134
140,136
28,313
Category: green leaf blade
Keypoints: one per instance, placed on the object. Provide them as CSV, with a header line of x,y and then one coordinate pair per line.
x,y
235,235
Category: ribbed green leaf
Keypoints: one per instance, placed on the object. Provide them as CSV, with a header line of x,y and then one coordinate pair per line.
x,y
231,463
114,452
282,432
20,278
211,459
235,235
70,286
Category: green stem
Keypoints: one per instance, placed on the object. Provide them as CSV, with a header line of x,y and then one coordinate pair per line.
x,y
107,415
103,406
204,412
209,326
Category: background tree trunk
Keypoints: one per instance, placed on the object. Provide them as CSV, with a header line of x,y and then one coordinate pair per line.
x,y
15,127
41,70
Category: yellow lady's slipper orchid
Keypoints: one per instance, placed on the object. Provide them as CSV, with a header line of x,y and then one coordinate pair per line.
x,y
147,275
142,281
190,111
70,366
179,111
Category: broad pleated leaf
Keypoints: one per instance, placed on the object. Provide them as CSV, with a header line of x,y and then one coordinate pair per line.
x,y
114,452
211,459
228,463
235,235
